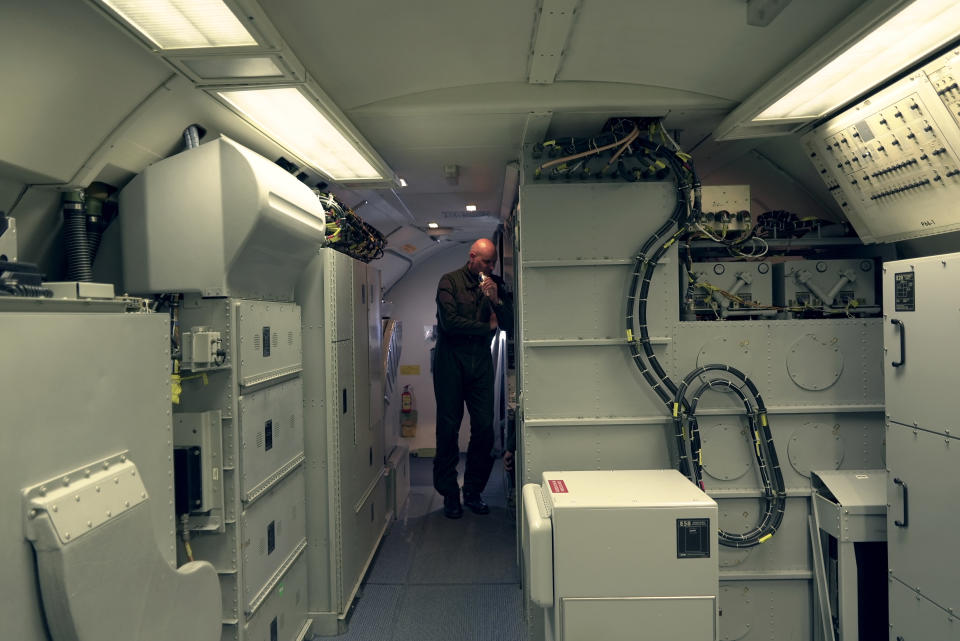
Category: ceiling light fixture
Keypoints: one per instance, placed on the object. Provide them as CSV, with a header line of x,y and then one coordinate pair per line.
x,y
877,41
433,225
471,208
403,183
173,24
919,29
309,127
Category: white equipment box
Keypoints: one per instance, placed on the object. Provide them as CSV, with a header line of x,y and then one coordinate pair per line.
x,y
611,553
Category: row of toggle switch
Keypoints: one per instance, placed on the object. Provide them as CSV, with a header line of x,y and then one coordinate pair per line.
x,y
898,190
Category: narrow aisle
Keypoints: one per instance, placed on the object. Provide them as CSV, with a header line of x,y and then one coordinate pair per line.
x,y
440,579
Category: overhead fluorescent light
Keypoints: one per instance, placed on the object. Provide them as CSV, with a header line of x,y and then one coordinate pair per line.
x,y
919,29
433,225
183,24
403,183
471,208
303,126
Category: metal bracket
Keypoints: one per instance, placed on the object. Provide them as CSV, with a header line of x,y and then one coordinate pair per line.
x,y
85,498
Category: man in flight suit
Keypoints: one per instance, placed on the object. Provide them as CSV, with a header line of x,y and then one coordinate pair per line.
x,y
471,304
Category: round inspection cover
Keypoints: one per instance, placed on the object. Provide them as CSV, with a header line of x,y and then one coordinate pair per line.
x,y
725,351
813,363
737,611
815,446
726,450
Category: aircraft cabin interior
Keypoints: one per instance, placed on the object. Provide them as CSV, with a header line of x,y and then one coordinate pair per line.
x,y
249,247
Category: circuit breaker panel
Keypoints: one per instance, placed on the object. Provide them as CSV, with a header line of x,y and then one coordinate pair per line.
x,y
892,162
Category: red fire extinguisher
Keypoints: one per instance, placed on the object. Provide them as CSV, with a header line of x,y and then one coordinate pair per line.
x,y
406,400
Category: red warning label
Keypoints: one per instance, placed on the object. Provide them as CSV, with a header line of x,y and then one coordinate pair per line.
x,y
558,487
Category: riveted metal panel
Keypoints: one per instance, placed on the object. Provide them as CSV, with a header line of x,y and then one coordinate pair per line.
x,y
761,610
597,447
914,617
76,388
271,530
271,435
819,441
787,552
566,218
918,390
763,350
586,381
928,466
269,340
283,609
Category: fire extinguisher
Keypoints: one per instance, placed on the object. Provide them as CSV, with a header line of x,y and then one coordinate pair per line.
x,y
406,400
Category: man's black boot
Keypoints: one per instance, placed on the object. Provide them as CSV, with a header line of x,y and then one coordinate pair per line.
x,y
475,503
451,507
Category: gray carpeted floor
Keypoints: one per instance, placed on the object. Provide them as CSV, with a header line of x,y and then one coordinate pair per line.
x,y
437,579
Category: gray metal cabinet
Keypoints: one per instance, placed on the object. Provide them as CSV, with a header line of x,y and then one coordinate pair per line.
x,y
346,511
921,522
921,304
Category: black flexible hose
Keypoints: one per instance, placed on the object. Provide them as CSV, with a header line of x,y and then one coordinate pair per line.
x,y
75,237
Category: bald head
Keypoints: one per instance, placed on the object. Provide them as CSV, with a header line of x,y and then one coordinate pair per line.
x,y
483,257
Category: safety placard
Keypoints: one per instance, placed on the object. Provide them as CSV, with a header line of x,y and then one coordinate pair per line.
x,y
558,487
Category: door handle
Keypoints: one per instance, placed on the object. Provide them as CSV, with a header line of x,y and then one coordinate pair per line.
x,y
903,342
906,514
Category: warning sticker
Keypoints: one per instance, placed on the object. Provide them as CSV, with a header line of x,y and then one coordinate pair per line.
x,y
558,487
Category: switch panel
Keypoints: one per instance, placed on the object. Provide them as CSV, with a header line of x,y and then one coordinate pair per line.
x,y
891,161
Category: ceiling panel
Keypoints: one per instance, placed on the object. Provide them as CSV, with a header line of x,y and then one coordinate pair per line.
x,y
696,45
363,51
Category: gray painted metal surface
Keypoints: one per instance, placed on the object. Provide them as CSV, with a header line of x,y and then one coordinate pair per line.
x,y
282,610
260,323
920,306
250,388
347,504
913,616
271,435
75,388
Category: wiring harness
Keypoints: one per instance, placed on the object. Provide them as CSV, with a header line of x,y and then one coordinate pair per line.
x,y
685,219
347,233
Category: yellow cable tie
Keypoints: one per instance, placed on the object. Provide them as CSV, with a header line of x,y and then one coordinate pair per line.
x,y
763,419
764,539
676,410
629,335
700,457
669,242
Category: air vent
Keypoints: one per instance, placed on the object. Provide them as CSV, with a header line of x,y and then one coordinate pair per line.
x,y
275,339
256,342
259,440
290,338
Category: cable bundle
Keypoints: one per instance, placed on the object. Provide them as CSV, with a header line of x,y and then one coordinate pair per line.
x,y
774,490
685,219
620,153
348,234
